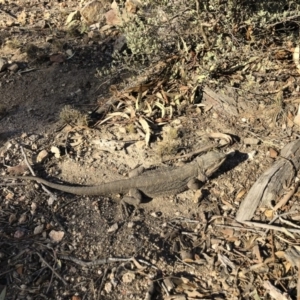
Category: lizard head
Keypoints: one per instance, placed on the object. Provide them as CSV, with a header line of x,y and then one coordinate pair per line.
x,y
210,162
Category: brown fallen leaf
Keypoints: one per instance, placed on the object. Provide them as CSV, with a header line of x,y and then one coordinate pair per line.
x,y
17,170
217,135
297,117
240,194
273,153
57,58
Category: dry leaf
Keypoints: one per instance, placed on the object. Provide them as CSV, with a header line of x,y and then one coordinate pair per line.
x,y
57,58
161,107
223,136
17,170
240,194
147,130
274,292
273,153
55,150
42,156
289,119
297,117
9,196
269,213
279,254
19,269
75,15
38,229
296,57
115,114
22,219
12,218
287,266
256,252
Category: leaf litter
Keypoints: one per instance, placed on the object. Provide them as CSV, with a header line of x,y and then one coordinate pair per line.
x,y
188,251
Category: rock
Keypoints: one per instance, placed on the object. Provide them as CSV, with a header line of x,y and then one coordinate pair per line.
x,y
3,64
120,43
69,52
113,228
14,67
112,18
93,12
38,229
128,277
251,141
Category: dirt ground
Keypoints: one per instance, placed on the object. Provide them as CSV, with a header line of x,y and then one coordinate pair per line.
x,y
57,246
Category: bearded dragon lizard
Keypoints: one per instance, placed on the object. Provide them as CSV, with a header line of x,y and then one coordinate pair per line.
x,y
155,183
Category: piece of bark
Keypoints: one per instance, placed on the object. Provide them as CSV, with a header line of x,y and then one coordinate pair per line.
x,y
272,184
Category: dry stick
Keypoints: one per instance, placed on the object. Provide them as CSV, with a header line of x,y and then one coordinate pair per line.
x,y
283,215
286,197
27,71
27,162
54,272
102,283
204,36
274,292
272,227
33,174
298,282
279,216
185,263
238,228
96,262
8,14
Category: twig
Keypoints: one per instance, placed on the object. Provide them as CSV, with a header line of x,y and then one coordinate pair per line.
x,y
27,71
286,197
271,227
237,228
298,282
33,174
27,162
201,30
185,263
102,282
54,272
274,292
96,262
280,216
8,14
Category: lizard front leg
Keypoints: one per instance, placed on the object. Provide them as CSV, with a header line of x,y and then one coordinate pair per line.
x,y
194,184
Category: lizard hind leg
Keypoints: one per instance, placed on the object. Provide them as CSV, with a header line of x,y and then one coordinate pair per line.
x,y
134,198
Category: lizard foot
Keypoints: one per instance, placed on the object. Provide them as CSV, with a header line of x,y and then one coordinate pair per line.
x,y
194,184
134,198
